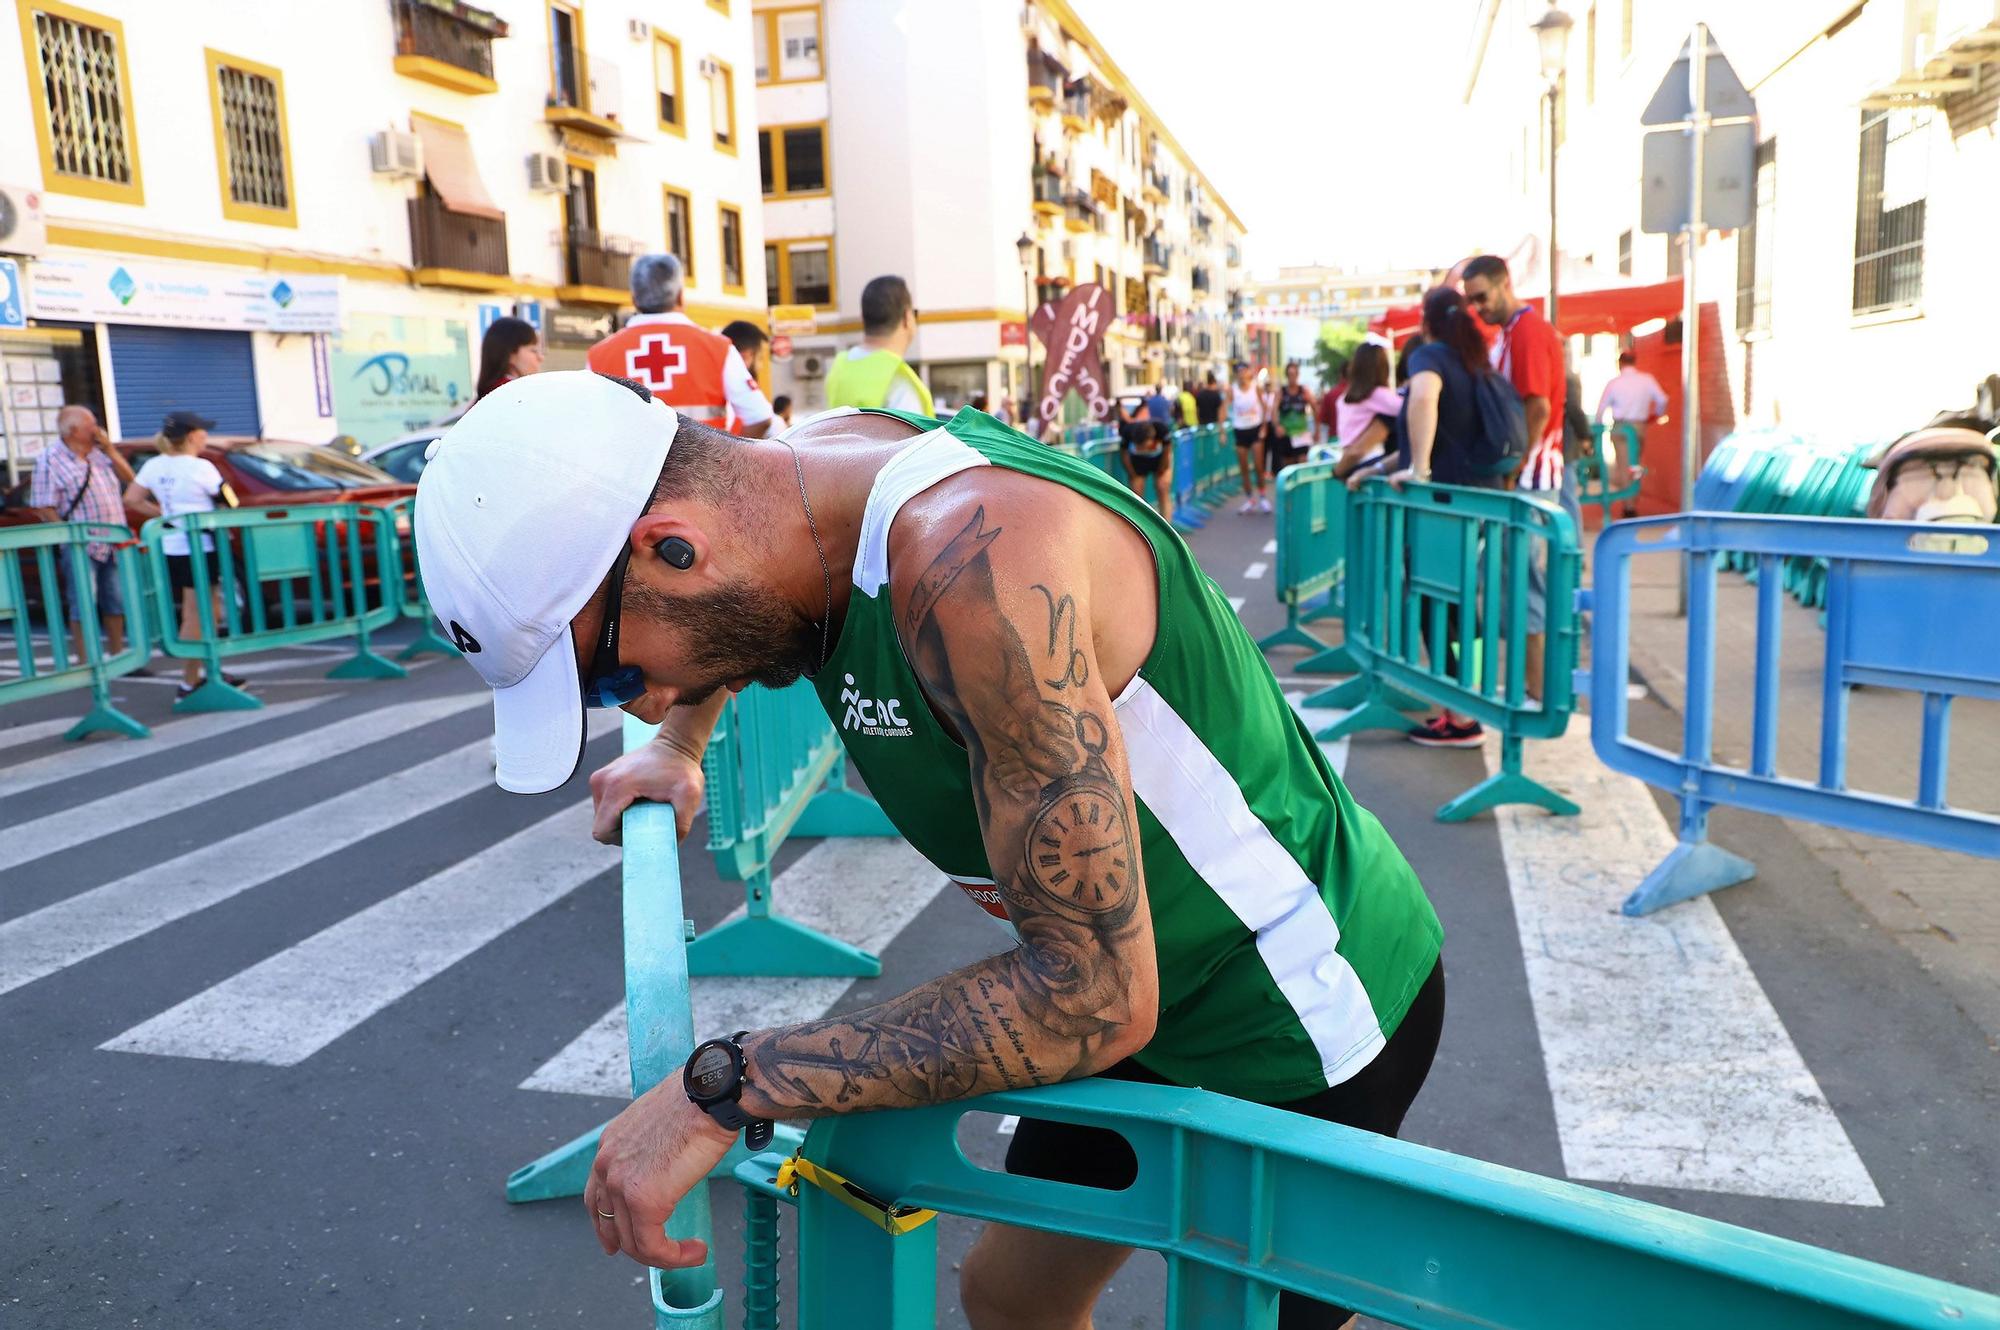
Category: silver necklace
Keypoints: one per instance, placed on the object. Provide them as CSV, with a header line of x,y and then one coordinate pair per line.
x,y
826,573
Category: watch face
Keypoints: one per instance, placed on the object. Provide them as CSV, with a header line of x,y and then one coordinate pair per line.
x,y
711,1071
1080,854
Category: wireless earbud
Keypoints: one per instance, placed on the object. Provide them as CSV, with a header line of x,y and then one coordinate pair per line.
x,y
676,552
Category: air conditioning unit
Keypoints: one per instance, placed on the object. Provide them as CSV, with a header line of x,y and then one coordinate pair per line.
x,y
395,154
548,173
22,230
638,29
810,366
708,67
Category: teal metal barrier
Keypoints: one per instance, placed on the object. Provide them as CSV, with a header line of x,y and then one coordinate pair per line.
x,y
414,604
1593,473
775,768
287,576
1311,531
1436,610
43,549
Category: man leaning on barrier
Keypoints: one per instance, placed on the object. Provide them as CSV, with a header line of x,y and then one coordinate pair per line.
x,y
1195,897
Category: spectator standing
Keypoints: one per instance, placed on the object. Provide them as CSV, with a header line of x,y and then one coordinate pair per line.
x,y
1635,398
1365,411
510,349
696,372
874,374
781,408
1208,402
1189,412
749,341
175,481
80,481
1441,422
1160,409
1249,418
1530,353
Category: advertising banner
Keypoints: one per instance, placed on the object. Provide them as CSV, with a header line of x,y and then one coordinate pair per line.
x,y
394,373
88,289
1072,333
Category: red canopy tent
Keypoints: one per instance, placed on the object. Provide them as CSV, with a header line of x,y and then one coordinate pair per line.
x,y
1608,309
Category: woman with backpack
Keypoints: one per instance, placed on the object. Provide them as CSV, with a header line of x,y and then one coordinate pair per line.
x,y
1441,415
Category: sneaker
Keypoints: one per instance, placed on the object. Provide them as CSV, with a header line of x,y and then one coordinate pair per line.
x,y
1437,732
1264,504
1249,506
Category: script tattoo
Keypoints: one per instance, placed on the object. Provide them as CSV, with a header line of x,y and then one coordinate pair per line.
x,y
1058,821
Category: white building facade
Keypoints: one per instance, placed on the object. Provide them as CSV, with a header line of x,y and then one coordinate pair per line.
x,y
928,140
1854,306
299,225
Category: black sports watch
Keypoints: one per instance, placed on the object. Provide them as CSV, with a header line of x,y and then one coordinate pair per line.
x,y
713,1079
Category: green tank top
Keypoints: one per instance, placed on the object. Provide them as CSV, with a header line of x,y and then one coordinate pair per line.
x,y
1291,933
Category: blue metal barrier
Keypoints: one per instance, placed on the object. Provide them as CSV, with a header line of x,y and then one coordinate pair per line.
x,y
1900,614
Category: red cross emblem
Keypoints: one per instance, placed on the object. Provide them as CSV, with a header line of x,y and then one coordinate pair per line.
x,y
656,362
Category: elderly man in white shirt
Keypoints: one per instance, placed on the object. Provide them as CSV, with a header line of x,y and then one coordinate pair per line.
x,y
1633,398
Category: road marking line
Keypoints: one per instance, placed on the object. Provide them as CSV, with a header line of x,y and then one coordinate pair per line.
x,y
1271,546
1238,602
190,786
35,945
1666,1061
1256,570
41,729
284,1009
863,890
97,754
1318,719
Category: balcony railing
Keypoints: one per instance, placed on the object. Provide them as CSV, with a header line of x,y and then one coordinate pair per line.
x,y
1080,211
1161,185
456,35
1200,279
1156,255
1048,187
591,261
441,238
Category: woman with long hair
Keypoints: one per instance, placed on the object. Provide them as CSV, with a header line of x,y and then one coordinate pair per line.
x,y
1365,411
510,349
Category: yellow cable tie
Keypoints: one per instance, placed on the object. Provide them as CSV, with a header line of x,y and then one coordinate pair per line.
x,y
895,1220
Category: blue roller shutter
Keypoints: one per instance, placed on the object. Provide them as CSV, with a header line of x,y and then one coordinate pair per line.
x,y
157,370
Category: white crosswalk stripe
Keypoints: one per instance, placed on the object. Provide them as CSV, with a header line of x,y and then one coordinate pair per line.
x,y
1666,1061
99,753
189,786
863,891
31,733
1271,546
1256,570
287,1008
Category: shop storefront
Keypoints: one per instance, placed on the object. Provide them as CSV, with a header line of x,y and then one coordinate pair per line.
x,y
394,373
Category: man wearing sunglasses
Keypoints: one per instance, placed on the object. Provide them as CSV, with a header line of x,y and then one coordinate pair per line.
x,y
1194,896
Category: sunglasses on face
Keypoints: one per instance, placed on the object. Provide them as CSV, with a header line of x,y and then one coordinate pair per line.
x,y
607,683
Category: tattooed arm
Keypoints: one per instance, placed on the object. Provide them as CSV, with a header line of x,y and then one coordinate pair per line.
x,y
995,614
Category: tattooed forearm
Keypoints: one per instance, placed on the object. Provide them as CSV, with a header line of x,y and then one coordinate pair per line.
x,y
1079,990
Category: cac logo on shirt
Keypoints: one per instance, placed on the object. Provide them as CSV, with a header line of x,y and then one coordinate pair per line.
x,y
881,717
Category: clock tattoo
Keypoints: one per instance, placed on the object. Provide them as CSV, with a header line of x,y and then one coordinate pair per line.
x,y
1080,850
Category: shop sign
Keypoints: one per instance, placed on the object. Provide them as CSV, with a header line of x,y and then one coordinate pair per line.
x,y
794,319
1013,333
578,327
90,289
395,373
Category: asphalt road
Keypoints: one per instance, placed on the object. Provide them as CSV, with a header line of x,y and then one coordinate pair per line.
x,y
231,1099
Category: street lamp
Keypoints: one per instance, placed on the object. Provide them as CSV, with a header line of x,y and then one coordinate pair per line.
x,y
1552,37
1026,246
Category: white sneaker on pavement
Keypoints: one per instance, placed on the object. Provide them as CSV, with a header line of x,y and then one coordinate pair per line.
x,y
1249,505
1264,504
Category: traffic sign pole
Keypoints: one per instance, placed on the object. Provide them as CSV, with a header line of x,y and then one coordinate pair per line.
x,y
1691,236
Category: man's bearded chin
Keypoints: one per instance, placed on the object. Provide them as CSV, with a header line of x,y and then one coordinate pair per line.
x,y
733,632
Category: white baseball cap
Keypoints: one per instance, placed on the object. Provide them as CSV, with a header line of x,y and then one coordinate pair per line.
x,y
520,513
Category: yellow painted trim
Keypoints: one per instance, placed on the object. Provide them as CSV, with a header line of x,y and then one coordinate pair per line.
x,y
1076,225
967,315
778,167
722,248
58,336
430,69
233,208
594,295
234,256
717,315
1048,209
1066,17
569,117
768,20
463,280
687,211
784,248
719,6
1074,124
1041,98
728,77
53,181
680,85
574,8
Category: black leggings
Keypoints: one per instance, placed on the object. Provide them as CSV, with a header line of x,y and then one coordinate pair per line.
x,y
1373,1099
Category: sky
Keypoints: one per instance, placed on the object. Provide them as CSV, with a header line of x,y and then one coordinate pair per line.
x,y
1323,123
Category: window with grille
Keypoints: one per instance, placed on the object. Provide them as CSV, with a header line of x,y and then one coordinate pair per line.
x,y
1889,217
85,113
732,248
250,106
680,232
1754,247
793,159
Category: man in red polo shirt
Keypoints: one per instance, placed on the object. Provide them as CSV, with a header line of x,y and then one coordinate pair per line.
x,y
1529,352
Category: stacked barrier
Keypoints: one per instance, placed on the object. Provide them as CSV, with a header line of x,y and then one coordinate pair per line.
x,y
1243,1201
1593,473
1311,532
775,768
414,603
57,552
1900,614
1431,566
315,562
